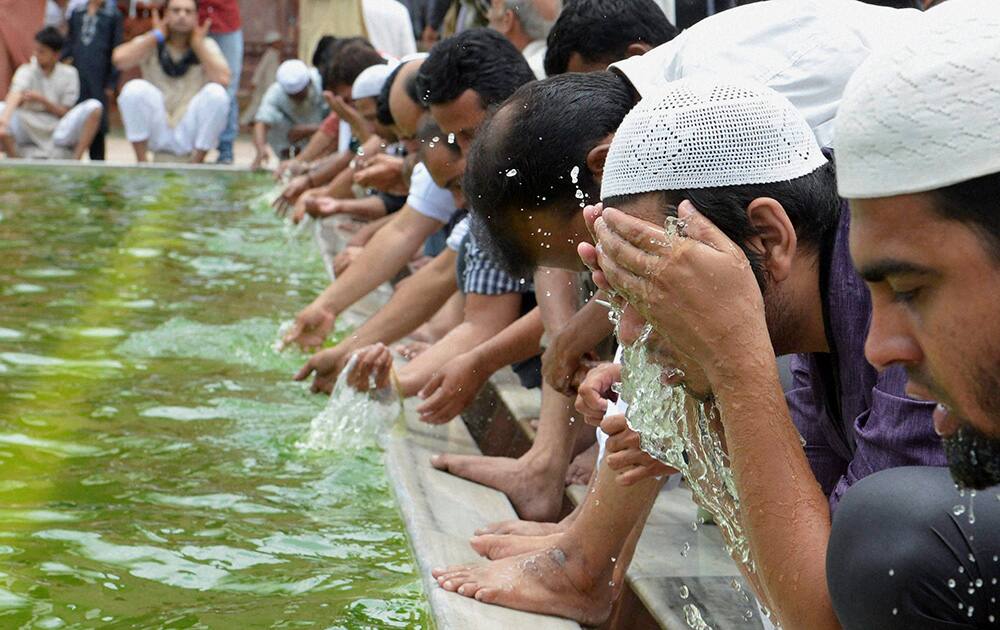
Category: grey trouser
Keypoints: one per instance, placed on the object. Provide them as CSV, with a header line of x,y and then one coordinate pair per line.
x,y
902,556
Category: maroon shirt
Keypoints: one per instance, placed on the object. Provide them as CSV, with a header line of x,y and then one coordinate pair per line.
x,y
855,420
225,15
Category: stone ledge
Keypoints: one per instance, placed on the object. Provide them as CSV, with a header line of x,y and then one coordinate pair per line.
x,y
441,512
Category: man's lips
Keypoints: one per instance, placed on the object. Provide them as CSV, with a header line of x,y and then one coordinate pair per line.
x,y
945,422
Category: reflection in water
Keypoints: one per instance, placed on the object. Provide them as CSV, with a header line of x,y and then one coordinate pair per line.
x,y
149,474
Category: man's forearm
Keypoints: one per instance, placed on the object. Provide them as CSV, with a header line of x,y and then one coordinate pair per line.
x,y
558,297
414,302
784,512
518,342
330,167
371,207
383,257
130,54
260,137
590,326
315,148
215,66
480,325
12,103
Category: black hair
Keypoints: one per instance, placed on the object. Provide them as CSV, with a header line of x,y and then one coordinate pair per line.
x,y
50,37
382,112
348,61
429,133
602,30
478,59
321,54
542,135
810,201
974,202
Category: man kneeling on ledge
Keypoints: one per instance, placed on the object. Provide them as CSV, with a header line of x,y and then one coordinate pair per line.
x,y
180,106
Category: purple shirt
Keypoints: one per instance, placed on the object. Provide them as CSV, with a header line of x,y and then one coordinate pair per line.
x,y
855,420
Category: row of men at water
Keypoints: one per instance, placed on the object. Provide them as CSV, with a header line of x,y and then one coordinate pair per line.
x,y
694,175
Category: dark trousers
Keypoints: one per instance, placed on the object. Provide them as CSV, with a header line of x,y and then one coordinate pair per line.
x,y
902,556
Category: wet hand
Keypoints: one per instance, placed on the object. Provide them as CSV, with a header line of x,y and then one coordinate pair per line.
x,y
320,207
382,172
260,159
340,106
371,369
594,394
562,360
697,289
327,365
625,455
311,328
451,389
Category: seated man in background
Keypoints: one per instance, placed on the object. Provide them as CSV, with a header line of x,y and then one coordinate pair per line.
x,y
40,117
290,113
180,105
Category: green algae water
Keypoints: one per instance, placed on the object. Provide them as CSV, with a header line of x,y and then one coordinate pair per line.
x,y
149,470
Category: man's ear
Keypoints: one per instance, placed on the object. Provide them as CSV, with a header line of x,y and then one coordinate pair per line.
x,y
637,49
775,234
597,156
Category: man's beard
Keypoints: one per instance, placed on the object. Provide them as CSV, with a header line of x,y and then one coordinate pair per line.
x,y
973,458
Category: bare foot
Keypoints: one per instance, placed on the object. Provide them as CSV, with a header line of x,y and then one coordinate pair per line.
x,y
495,546
521,528
553,581
537,495
581,469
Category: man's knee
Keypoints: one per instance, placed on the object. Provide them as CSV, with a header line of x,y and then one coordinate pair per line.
x,y
885,550
92,107
216,95
134,92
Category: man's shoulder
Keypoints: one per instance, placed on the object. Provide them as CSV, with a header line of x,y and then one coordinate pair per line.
x,y
65,71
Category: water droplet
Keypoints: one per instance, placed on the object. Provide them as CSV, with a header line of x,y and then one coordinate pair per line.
x,y
684,592
951,583
895,611
685,548
892,572
451,138
574,175
958,510
979,583
512,172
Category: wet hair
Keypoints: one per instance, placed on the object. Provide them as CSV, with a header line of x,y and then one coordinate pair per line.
x,y
382,112
542,133
601,31
322,52
974,202
348,61
810,201
50,37
430,133
478,59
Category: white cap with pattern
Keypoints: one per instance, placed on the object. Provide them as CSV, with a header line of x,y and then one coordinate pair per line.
x,y
703,133
371,80
293,76
926,114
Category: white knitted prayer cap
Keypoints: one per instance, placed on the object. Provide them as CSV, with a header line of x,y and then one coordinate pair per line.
x,y
371,80
704,133
293,76
926,114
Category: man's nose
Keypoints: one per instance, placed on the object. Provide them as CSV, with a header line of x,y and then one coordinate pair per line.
x,y
890,338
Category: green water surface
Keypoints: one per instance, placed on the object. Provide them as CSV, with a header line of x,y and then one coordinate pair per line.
x,y
149,473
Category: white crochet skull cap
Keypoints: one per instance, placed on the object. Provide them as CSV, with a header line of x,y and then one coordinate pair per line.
x,y
926,114
371,80
700,132
293,76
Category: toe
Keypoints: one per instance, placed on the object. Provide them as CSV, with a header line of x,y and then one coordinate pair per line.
x,y
469,589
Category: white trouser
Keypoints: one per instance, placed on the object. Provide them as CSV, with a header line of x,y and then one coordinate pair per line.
x,y
145,117
67,131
